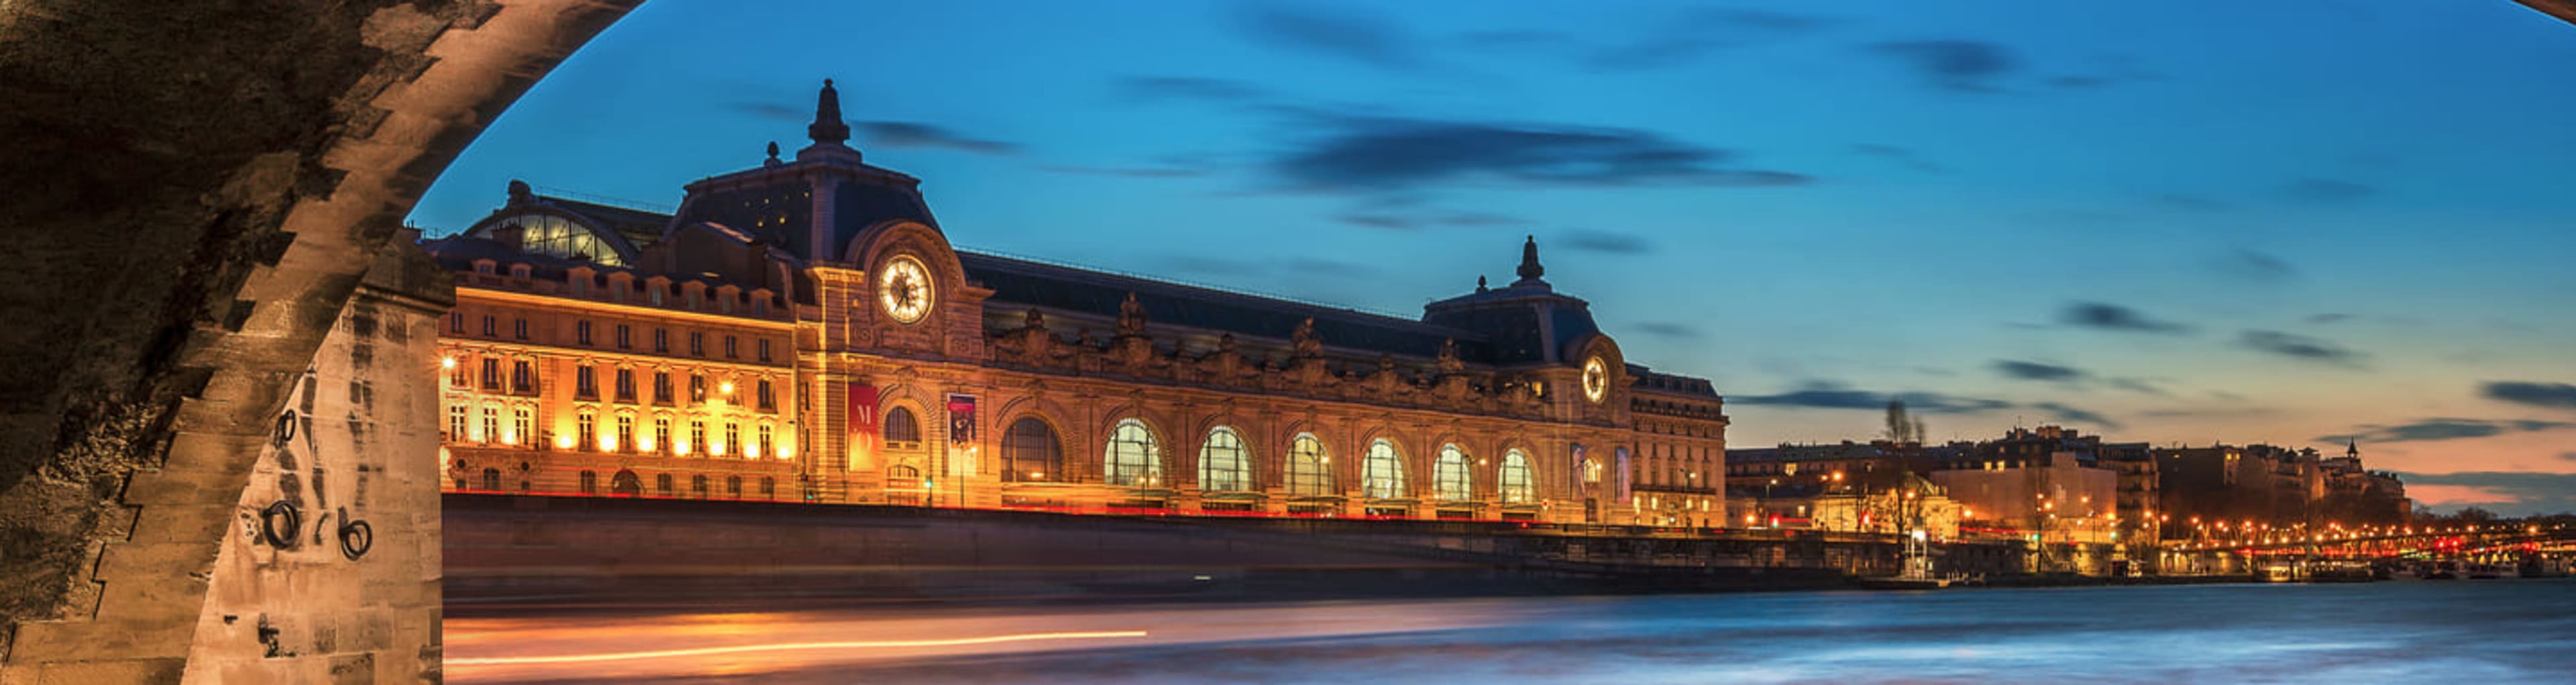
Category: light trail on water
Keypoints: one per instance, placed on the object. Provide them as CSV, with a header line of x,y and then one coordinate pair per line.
x,y
739,649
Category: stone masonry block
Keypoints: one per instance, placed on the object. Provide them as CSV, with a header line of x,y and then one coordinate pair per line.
x,y
101,640
204,524
137,672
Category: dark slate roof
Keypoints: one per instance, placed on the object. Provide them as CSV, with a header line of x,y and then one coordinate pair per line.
x,y
458,253
1038,284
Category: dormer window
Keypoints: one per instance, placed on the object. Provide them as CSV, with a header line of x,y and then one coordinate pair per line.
x,y
519,271
485,267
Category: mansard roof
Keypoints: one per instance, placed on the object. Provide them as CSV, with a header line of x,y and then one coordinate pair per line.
x,y
1050,286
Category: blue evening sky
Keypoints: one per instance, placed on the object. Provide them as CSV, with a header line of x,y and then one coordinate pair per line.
x,y
2183,221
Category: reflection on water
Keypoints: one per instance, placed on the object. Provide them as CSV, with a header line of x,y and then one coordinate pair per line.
x,y
2482,631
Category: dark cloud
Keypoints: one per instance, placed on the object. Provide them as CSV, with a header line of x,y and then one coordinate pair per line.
x,y
1386,155
1670,330
1606,241
2300,346
2329,318
1697,33
920,135
2036,371
1966,66
1125,172
2066,414
2112,71
2532,493
1900,156
2255,266
2326,190
1827,395
1395,218
1332,33
1160,88
2441,429
2116,318
2567,456
2137,385
2551,395
772,110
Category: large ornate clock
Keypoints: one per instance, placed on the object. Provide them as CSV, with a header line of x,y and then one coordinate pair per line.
x,y
904,287
1596,379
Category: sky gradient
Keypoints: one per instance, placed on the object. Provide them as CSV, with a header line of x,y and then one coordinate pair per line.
x,y
2185,222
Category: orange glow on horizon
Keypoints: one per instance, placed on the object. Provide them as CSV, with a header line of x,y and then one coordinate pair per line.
x,y
738,649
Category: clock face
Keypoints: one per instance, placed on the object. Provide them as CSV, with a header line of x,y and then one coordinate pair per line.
x,y
904,288
1596,379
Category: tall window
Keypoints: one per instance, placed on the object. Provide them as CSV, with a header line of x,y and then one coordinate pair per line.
x,y
490,330
661,339
902,429
625,433
732,439
1030,453
491,373
662,484
1134,458
765,447
1515,480
456,423
733,487
698,486
491,424
523,377
768,399
731,348
1449,475
523,427
589,482
581,332
662,387
1309,472
456,322
697,389
1223,463
1591,472
697,435
492,479
1382,475
768,487
697,343
585,381
625,385
585,430
456,377
763,348
661,432
519,327
625,337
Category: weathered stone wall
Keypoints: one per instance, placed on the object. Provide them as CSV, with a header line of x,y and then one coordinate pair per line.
x,y
195,189
340,583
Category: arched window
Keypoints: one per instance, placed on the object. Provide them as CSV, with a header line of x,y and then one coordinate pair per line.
x,y
733,487
1382,476
1591,472
1223,464
698,486
902,429
1515,480
1030,453
548,234
625,484
1134,458
1449,481
1308,472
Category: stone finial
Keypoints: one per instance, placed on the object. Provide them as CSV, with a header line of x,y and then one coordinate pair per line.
x,y
1530,270
1480,283
773,151
1131,316
827,126
520,193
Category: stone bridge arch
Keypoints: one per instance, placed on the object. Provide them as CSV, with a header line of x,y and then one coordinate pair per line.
x,y
196,191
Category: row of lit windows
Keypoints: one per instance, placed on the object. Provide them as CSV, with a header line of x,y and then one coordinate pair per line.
x,y
1133,458
628,484
522,379
621,434
623,336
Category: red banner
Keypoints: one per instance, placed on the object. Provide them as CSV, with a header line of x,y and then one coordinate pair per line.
x,y
961,418
863,409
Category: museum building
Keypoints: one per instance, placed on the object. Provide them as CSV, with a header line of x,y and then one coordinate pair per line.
x,y
804,331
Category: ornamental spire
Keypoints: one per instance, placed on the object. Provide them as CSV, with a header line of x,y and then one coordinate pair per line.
x,y
1530,270
827,126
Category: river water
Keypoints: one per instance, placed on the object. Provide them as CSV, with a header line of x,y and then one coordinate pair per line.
x,y
2492,631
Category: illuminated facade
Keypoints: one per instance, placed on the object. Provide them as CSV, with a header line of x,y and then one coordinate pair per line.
x,y
803,330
